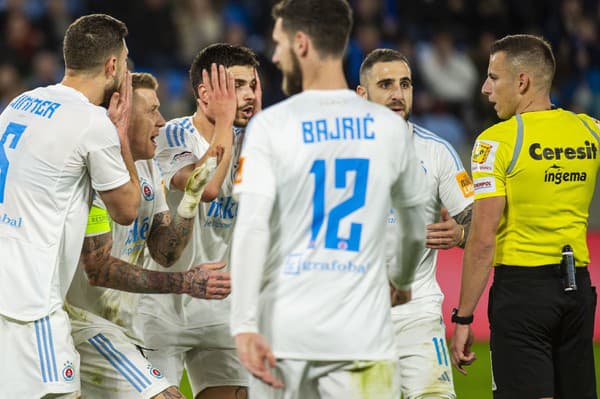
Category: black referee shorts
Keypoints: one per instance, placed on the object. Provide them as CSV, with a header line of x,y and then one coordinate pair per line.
x,y
541,336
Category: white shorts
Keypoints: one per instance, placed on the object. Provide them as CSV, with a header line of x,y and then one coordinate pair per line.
x,y
207,353
112,366
307,379
423,360
38,358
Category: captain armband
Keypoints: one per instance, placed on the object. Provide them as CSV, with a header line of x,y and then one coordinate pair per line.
x,y
99,222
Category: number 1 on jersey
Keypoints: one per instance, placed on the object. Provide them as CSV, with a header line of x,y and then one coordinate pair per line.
x,y
16,130
342,166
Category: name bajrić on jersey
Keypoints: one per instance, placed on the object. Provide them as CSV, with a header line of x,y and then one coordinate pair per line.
x,y
587,151
339,128
36,106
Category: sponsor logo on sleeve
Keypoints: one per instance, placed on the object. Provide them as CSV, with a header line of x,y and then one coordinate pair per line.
x,y
484,155
464,182
238,175
182,156
484,185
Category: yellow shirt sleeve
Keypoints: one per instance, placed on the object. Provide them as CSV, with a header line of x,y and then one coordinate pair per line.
x,y
490,160
99,222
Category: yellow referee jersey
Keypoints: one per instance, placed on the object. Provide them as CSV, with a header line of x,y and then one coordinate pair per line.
x,y
545,164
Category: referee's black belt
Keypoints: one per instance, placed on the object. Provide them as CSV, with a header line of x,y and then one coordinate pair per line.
x,y
544,272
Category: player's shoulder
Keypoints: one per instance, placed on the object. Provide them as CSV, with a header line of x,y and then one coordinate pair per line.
x,y
590,121
505,131
434,146
176,132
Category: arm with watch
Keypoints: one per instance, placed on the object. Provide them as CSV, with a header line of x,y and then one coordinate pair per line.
x,y
477,263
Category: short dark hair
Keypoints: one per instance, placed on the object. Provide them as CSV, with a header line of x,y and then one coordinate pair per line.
x,y
379,55
531,51
91,39
224,54
327,22
143,80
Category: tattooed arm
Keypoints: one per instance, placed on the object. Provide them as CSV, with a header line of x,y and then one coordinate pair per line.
x,y
450,231
464,219
168,237
104,270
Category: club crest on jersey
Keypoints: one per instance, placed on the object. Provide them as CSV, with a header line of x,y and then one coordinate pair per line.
x,y
68,372
154,372
147,191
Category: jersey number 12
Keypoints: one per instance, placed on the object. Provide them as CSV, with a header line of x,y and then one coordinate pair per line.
x,y
16,131
334,216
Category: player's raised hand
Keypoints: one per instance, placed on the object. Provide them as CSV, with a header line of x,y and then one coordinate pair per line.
x,y
205,281
119,107
221,101
445,234
460,348
256,355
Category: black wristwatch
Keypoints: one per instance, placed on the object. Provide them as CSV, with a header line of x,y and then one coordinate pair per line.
x,y
461,319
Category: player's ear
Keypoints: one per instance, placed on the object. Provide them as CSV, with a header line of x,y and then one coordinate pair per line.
x,y
202,93
524,82
110,66
361,91
301,43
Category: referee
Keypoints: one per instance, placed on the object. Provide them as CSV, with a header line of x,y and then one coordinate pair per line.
x,y
534,177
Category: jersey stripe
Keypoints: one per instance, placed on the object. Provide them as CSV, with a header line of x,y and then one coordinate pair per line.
x,y
518,144
590,129
427,135
39,348
115,358
53,362
168,134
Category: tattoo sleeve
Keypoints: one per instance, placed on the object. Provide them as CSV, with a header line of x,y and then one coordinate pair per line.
x,y
464,218
168,237
104,270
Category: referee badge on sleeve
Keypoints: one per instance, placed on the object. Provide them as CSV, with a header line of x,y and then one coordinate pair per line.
x,y
464,182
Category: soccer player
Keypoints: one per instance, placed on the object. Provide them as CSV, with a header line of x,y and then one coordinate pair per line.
x,y
423,360
534,174
310,294
192,332
111,361
56,144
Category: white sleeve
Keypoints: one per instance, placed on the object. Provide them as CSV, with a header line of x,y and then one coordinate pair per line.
x,y
101,150
409,194
248,257
160,202
456,187
174,151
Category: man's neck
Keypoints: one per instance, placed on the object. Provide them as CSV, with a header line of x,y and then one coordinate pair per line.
x,y
203,125
535,103
324,74
87,84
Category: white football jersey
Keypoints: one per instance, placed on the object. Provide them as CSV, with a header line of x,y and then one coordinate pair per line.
x,y
449,186
55,146
333,162
115,306
179,145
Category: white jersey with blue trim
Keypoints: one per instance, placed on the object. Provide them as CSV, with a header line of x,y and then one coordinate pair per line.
x,y
333,163
180,145
114,308
449,186
55,146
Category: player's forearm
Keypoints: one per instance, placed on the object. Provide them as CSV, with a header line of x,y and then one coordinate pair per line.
x,y
477,263
464,219
167,241
214,185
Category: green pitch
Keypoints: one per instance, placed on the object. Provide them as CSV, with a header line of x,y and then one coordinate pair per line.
x,y
476,385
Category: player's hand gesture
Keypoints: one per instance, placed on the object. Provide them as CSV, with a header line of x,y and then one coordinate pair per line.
x,y
399,297
460,348
221,104
206,282
256,355
444,234
119,107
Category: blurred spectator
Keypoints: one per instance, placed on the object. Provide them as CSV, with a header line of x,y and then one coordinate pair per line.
x,y
198,24
11,84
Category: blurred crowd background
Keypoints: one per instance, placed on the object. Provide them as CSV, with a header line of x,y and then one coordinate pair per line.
x,y
447,42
